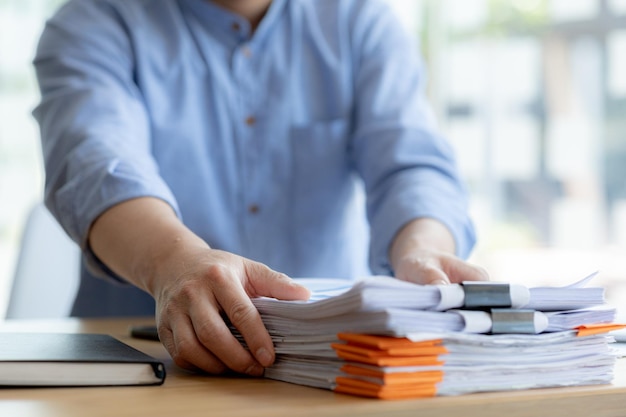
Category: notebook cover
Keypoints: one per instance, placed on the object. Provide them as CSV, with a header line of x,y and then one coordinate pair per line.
x,y
32,349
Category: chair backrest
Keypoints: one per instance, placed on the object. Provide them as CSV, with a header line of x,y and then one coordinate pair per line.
x,y
47,269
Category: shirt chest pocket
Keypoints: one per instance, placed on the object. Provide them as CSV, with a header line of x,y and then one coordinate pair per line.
x,y
320,152
321,166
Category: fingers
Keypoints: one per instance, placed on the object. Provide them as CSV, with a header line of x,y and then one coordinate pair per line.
x,y
202,341
263,281
181,343
244,316
434,268
459,271
194,296
423,271
212,332
194,332
226,287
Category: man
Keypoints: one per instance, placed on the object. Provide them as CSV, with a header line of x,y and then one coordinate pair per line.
x,y
200,150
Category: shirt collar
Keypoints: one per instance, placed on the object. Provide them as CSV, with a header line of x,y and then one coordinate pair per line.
x,y
233,24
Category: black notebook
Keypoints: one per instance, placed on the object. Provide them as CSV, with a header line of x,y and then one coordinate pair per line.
x,y
59,359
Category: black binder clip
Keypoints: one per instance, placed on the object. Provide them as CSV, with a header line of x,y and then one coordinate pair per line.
x,y
481,295
506,320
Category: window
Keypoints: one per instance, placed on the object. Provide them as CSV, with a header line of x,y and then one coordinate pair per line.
x,y
532,95
21,176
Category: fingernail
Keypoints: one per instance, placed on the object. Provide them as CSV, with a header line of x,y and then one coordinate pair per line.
x,y
264,357
255,370
440,282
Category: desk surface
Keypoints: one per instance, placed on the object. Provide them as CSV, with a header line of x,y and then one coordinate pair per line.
x,y
188,395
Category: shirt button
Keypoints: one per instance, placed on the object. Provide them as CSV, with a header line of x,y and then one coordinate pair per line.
x,y
253,209
247,52
235,26
250,120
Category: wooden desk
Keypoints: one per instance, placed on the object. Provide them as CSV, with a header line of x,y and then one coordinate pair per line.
x,y
187,395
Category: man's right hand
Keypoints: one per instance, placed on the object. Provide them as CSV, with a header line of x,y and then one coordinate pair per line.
x,y
194,286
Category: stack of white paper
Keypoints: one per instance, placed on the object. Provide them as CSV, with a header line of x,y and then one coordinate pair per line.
x,y
387,306
450,365
332,297
385,338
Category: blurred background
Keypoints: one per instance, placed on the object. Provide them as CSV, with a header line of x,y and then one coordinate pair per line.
x,y
532,94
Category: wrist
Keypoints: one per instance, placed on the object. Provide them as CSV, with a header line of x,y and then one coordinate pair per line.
x,y
423,234
136,239
166,259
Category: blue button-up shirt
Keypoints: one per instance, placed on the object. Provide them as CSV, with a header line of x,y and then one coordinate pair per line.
x,y
305,144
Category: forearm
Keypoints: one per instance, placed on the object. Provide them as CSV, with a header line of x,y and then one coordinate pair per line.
x,y
134,239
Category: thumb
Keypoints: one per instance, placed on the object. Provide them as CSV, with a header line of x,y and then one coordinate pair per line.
x,y
269,283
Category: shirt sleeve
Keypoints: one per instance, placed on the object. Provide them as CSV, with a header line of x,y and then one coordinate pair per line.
x,y
94,128
409,170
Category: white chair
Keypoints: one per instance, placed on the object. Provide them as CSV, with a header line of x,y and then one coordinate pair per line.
x,y
47,270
